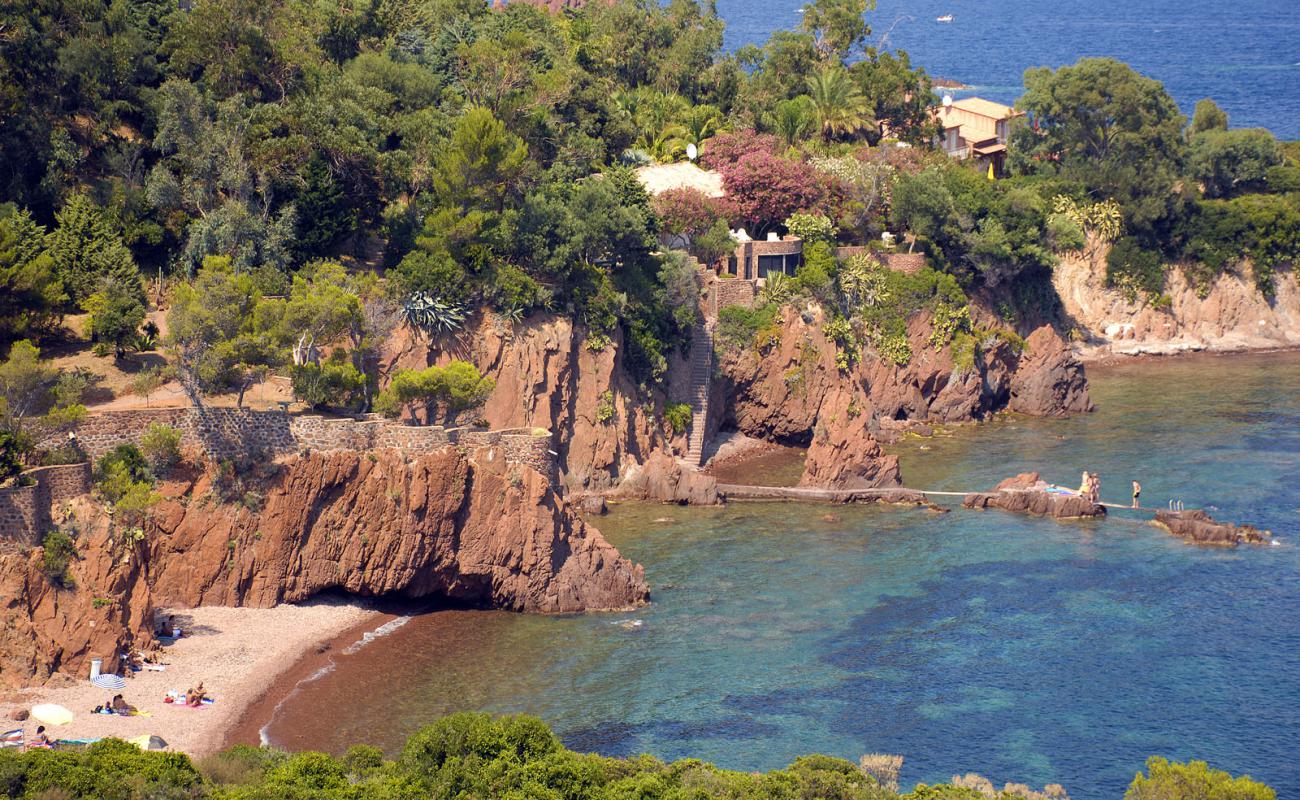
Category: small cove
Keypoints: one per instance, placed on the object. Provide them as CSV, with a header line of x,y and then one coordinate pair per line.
x,y
1023,649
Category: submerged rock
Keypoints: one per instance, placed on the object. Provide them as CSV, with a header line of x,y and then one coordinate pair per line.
x,y
1199,527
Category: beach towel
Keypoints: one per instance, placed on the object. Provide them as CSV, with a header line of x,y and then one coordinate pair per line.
x,y
13,738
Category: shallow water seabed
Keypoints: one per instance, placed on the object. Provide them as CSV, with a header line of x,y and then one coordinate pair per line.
x,y
1024,649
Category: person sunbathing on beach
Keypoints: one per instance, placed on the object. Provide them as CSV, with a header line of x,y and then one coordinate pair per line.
x,y
40,739
120,706
194,697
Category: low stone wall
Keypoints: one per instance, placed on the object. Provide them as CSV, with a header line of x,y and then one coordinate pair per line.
x,y
25,510
244,433
20,516
733,292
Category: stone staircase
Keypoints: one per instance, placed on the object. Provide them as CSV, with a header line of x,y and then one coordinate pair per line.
x,y
701,378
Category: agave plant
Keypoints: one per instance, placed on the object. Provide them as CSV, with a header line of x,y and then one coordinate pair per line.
x,y
432,314
778,290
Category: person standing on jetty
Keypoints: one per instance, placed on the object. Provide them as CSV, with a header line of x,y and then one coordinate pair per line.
x,y
1137,493
1085,484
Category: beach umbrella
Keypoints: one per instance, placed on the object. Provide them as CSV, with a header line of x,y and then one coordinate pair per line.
x,y
51,714
148,741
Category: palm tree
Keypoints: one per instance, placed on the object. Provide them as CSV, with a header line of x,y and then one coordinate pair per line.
x,y
793,120
838,106
700,123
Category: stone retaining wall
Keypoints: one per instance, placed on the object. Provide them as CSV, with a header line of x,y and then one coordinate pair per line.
x,y
244,433
25,510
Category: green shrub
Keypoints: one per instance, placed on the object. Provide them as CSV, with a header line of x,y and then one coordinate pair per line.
x,y
60,551
678,416
456,387
10,462
605,407
335,383
1133,268
738,327
123,477
1194,780
161,446
117,469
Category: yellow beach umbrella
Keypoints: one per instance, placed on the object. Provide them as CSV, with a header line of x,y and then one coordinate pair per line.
x,y
51,714
147,741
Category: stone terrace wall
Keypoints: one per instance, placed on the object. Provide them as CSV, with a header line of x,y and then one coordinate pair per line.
x,y
25,510
734,292
244,433
20,516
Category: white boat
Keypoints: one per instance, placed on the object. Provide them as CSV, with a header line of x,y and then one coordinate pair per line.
x,y
944,18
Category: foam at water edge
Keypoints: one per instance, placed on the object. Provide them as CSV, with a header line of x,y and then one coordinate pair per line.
x,y
263,734
377,633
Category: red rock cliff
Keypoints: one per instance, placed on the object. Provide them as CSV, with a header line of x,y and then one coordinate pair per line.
x,y
548,377
790,389
441,525
49,629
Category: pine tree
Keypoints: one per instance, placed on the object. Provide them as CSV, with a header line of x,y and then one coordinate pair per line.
x,y
86,250
30,291
324,216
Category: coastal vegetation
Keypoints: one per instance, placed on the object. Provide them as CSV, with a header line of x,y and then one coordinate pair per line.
x,y
477,756
294,182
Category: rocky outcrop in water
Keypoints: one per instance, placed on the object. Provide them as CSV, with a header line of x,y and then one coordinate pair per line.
x,y
1049,379
103,608
1200,528
442,525
1027,494
663,479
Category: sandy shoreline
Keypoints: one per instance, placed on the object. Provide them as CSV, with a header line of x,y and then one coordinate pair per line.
x,y
238,654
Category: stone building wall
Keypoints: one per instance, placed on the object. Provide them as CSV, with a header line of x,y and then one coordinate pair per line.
x,y
733,292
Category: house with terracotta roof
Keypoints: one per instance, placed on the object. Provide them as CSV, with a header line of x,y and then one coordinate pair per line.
x,y
975,128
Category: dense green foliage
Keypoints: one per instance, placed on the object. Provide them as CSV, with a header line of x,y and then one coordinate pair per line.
x,y
59,551
454,388
476,756
1169,781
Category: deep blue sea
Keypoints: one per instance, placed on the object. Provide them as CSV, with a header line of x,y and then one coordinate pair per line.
x,y
1023,649
1244,54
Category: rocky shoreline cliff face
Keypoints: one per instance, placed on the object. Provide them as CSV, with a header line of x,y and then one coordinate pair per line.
x,y
103,604
548,377
789,389
466,528
446,526
1227,316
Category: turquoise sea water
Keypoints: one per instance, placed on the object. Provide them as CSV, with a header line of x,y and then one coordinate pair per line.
x,y
1023,649
1245,54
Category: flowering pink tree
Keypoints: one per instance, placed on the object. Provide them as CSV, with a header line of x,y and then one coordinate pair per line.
x,y
690,212
766,189
726,149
